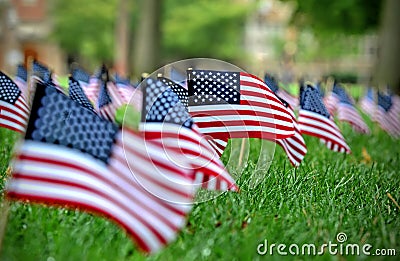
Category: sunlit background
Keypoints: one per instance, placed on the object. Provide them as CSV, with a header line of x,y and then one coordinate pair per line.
x,y
288,38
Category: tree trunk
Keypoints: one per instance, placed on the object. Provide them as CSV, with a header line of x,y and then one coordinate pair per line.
x,y
122,38
387,69
146,44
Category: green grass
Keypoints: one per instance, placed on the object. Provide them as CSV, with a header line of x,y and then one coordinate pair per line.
x,y
328,194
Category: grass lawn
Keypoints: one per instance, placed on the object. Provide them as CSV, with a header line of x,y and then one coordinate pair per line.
x,y
330,193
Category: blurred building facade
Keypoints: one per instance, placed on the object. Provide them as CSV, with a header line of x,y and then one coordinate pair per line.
x,y
273,45
25,27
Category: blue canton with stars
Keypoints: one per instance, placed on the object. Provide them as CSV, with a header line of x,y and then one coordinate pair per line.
x,y
77,94
80,75
41,71
162,104
104,97
320,90
384,101
311,101
9,91
213,87
21,72
56,119
341,93
271,83
179,90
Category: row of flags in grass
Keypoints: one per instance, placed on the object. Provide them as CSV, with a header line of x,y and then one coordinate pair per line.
x,y
74,153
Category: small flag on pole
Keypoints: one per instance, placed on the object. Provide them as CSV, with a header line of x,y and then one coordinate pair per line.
x,y
77,94
165,119
73,158
14,110
106,108
386,115
315,120
295,146
347,112
236,105
21,80
283,94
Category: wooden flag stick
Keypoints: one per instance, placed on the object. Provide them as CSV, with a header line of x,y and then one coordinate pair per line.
x,y
241,152
4,210
29,78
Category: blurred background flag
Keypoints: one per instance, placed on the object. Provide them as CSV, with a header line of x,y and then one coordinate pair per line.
x,y
166,119
21,79
295,146
95,82
387,116
368,104
346,111
14,110
80,161
125,88
228,104
105,106
81,76
315,120
41,72
271,82
115,95
77,94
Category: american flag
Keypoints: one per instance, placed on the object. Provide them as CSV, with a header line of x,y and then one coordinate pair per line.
x,y
315,120
129,93
41,73
236,105
368,104
347,112
273,85
106,108
125,88
21,80
81,76
14,110
320,90
80,161
165,119
387,116
115,95
77,94
218,144
295,146
93,89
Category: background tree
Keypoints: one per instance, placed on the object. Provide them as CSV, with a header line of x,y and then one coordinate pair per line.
x,y
85,29
158,31
354,17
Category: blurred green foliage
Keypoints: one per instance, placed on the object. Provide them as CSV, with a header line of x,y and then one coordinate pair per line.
x,y
203,28
332,29
86,28
344,16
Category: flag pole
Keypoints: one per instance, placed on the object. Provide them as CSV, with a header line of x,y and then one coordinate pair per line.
x,y
241,152
5,209
29,78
